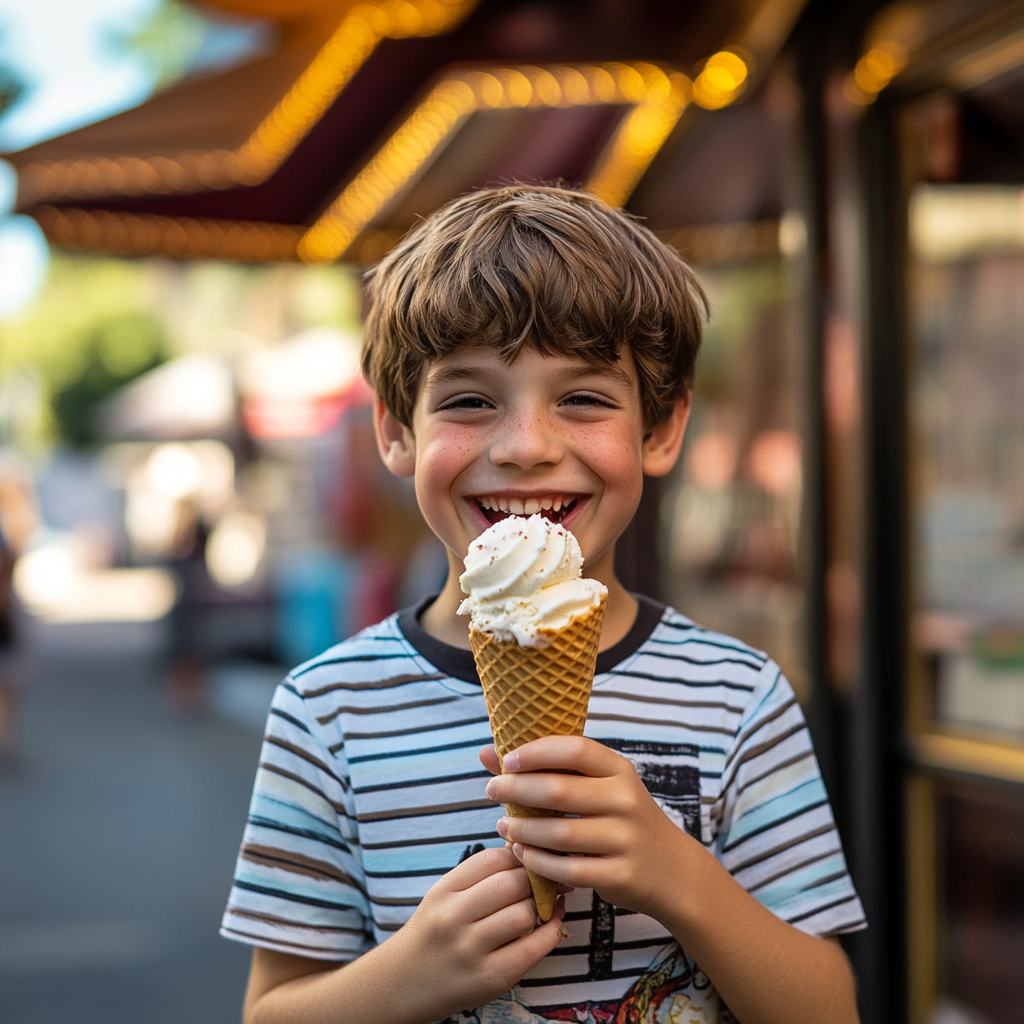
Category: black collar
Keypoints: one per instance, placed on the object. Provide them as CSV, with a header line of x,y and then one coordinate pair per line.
x,y
458,663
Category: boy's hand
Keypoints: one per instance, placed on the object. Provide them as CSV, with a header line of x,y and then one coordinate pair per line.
x,y
618,842
470,940
473,937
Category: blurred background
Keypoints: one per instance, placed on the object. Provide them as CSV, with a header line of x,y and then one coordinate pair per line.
x,y
191,502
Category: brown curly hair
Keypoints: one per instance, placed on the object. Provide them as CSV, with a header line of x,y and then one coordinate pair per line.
x,y
540,266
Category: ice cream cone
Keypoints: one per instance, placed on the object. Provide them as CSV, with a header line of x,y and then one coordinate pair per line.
x,y
539,691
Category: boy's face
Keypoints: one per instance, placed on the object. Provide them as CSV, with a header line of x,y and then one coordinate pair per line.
x,y
554,434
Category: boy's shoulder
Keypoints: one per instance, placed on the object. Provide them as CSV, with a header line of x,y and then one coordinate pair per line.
x,y
381,643
673,639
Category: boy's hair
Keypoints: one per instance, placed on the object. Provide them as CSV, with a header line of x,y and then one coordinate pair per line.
x,y
540,266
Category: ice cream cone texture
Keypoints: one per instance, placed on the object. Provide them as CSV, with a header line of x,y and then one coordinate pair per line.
x,y
540,687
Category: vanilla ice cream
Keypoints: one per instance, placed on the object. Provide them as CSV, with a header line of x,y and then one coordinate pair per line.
x,y
523,581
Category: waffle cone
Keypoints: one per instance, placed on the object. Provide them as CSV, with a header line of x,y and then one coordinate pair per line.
x,y
538,691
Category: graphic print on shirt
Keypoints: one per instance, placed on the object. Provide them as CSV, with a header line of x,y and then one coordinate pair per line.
x,y
671,773
673,991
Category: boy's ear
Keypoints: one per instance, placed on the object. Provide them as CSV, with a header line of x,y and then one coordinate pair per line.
x,y
662,446
395,442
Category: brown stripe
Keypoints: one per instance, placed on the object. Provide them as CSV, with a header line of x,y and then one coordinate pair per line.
x,y
761,748
387,709
795,867
300,950
473,837
775,768
272,919
823,830
416,812
303,754
372,684
298,864
277,770
741,738
643,698
657,721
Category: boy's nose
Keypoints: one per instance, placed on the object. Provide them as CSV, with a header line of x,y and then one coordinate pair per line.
x,y
526,439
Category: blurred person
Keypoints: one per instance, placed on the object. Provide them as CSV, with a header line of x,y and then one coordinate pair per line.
x,y
377,521
532,348
187,677
19,519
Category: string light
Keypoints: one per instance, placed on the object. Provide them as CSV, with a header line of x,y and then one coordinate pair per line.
x,y
874,71
641,135
352,42
658,96
720,81
180,237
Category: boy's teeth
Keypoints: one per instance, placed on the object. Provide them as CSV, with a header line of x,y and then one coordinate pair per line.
x,y
558,505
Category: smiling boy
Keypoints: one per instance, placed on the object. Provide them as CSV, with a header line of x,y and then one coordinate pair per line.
x,y
532,351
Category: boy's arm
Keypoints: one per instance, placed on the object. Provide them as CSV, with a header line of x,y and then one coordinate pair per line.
x,y
626,848
470,940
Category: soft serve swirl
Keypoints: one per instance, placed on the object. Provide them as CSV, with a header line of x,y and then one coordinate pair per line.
x,y
523,580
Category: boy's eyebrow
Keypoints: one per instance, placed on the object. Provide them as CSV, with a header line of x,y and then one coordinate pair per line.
x,y
439,376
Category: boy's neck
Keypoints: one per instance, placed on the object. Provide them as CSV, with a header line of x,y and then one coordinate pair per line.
x,y
442,621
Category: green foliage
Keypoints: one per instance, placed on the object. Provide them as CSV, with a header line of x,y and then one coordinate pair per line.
x,y
11,88
11,85
111,353
89,330
168,41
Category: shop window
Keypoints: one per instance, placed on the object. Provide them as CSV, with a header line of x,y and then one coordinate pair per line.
x,y
733,508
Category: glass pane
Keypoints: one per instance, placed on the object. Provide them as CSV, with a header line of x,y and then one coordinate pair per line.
x,y
733,507
981,941
967,407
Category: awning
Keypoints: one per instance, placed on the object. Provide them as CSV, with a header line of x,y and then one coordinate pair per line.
x,y
372,114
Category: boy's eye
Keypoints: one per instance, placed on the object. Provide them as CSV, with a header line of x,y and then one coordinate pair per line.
x,y
586,398
465,402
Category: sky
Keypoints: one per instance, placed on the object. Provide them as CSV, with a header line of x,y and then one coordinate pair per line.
x,y
75,74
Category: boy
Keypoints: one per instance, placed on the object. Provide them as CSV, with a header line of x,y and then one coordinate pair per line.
x,y
532,350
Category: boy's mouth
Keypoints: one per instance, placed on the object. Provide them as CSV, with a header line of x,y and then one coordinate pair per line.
x,y
554,507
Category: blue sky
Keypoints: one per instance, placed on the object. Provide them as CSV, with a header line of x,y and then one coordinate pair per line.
x,y
64,51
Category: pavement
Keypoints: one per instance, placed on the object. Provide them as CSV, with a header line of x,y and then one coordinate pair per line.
x,y
119,826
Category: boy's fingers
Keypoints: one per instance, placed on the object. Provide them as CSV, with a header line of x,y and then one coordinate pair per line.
x,y
489,759
521,954
576,871
493,894
507,923
475,869
570,794
566,835
565,753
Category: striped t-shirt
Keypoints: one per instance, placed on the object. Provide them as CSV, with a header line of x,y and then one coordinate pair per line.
x,y
369,789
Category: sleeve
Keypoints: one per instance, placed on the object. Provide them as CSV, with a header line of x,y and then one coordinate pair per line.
x,y
777,835
299,884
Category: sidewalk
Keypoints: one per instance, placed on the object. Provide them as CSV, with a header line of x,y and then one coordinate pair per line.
x,y
118,832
